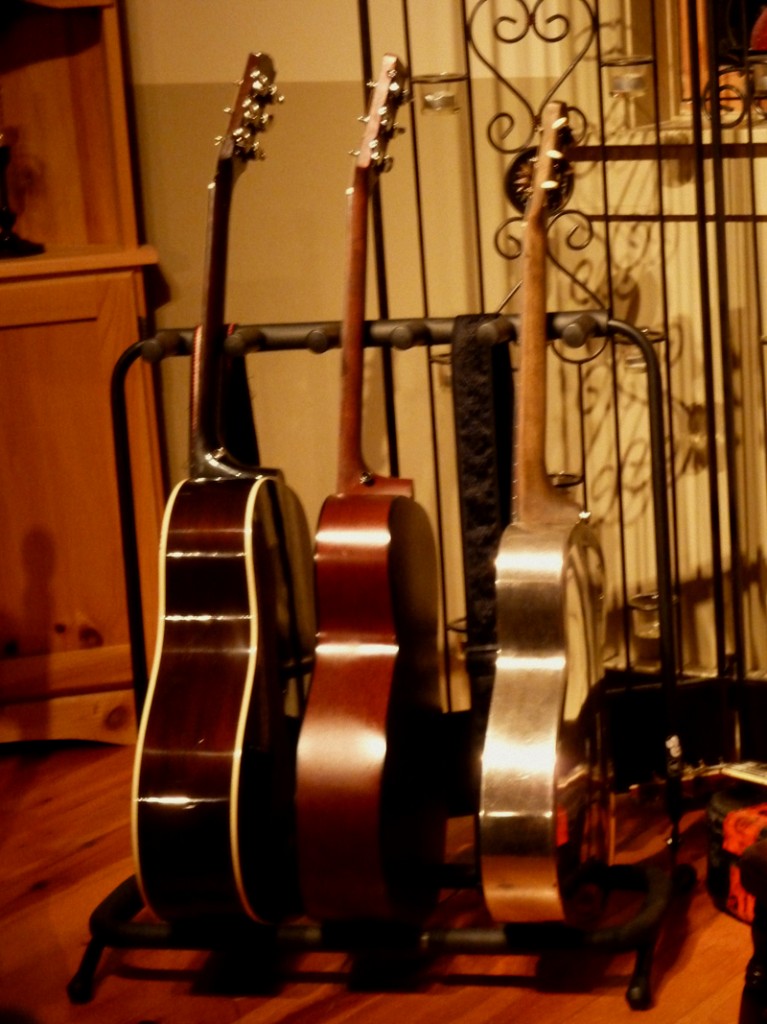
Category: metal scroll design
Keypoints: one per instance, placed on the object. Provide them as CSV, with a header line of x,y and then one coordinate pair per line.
x,y
574,233
551,22
492,27
739,90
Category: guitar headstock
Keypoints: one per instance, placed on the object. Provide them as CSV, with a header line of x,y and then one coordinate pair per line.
x,y
543,176
389,92
554,133
250,114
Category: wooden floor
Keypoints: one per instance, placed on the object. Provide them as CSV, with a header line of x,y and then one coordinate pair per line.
x,y
64,845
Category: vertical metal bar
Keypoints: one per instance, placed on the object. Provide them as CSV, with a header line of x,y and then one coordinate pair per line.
x,y
473,163
723,294
380,261
417,181
759,311
446,667
754,229
616,415
128,524
674,523
707,340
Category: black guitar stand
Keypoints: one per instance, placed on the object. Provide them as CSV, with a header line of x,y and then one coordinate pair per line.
x,y
397,949
114,924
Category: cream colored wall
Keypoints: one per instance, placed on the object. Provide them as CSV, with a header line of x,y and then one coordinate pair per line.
x,y
194,41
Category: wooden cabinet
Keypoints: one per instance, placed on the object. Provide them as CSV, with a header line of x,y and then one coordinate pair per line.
x,y
66,315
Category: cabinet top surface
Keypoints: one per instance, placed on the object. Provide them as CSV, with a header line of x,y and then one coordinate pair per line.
x,y
87,259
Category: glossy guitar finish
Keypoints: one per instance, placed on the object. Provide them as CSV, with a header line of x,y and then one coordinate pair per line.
x,y
371,818
370,814
543,824
214,788
213,819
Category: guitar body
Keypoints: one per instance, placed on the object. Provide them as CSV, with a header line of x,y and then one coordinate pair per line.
x,y
542,820
213,821
370,806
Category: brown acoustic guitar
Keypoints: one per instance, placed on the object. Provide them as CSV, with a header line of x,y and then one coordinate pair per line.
x,y
543,823
213,821
371,818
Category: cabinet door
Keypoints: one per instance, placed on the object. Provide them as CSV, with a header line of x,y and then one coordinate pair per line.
x,y
63,622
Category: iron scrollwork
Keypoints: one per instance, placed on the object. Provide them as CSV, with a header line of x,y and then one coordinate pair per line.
x,y
551,21
511,132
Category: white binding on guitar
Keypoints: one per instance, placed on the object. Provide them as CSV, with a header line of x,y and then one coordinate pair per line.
x,y
541,822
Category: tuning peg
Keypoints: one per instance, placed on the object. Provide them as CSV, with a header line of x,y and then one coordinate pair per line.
x,y
386,164
354,152
364,119
227,110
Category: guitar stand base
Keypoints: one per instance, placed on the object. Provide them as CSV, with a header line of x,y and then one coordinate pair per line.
x,y
112,925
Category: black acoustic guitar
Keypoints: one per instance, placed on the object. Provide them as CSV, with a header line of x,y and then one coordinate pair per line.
x,y
543,822
213,788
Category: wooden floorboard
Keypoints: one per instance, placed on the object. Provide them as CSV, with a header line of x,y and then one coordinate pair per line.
x,y
64,845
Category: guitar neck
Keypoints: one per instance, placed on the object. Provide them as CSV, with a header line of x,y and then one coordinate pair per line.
x,y
208,357
222,433
351,464
388,92
536,499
